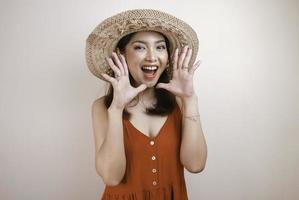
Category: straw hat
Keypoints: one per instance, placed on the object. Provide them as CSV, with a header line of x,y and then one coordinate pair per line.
x,y
103,39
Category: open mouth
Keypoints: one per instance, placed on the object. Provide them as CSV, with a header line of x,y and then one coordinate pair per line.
x,y
149,71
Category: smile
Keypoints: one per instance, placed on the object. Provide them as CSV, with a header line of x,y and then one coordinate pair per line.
x,y
149,71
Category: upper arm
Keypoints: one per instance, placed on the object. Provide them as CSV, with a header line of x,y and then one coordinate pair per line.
x,y
99,122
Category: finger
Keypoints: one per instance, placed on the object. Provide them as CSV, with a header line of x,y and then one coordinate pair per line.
x,y
182,57
187,59
109,78
175,59
195,66
118,63
123,61
113,67
140,88
163,86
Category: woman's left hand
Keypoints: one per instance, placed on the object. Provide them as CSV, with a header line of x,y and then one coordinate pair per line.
x,y
181,83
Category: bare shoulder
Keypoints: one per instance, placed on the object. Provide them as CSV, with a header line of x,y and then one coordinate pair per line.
x,y
99,104
99,109
99,121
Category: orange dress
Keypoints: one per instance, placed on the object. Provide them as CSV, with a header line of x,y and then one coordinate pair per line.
x,y
153,167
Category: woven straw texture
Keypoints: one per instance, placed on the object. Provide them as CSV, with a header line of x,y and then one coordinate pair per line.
x,y
104,38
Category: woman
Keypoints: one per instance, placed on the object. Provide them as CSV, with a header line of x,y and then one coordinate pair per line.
x,y
147,128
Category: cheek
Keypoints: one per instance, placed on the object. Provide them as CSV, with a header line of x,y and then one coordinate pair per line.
x,y
130,63
165,59
134,59
133,66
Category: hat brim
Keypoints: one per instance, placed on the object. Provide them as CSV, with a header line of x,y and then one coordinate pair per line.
x,y
103,39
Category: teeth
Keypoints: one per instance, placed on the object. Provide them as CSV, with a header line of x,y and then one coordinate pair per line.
x,y
150,67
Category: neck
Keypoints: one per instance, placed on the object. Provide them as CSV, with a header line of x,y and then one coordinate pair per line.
x,y
146,98
147,95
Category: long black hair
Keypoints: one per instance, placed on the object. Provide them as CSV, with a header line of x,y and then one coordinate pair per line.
x,y
165,100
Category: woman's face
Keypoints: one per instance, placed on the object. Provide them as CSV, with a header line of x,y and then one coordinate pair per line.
x,y
147,57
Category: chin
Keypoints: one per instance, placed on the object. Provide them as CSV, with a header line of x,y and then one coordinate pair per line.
x,y
150,84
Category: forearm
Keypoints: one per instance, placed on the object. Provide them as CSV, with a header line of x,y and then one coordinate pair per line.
x,y
193,146
112,152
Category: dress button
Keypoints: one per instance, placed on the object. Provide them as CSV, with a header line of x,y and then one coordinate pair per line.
x,y
154,183
153,158
152,143
154,170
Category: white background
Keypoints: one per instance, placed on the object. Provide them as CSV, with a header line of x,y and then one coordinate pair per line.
x,y
247,87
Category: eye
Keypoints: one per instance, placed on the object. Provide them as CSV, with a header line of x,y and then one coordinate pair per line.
x,y
138,47
161,47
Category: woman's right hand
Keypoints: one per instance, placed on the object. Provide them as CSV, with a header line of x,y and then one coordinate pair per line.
x,y
123,91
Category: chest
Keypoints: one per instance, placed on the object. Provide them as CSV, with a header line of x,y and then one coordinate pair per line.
x,y
148,125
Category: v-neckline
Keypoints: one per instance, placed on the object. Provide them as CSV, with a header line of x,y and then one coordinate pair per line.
x,y
148,137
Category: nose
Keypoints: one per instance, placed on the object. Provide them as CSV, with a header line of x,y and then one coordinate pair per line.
x,y
151,56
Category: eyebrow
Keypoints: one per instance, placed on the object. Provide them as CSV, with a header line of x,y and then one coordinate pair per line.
x,y
146,42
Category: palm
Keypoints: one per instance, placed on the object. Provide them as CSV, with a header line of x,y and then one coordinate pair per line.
x,y
123,90
181,83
